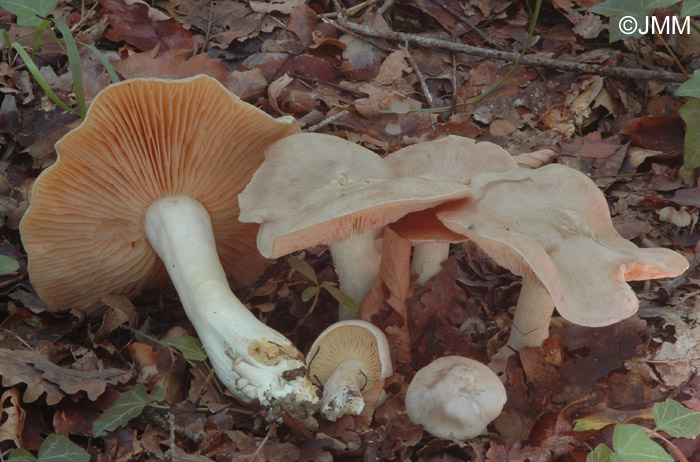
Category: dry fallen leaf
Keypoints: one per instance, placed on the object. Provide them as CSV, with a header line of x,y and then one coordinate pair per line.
x,y
136,23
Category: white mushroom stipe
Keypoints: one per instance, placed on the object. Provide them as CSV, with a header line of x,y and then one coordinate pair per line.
x,y
252,360
356,261
342,393
532,315
428,258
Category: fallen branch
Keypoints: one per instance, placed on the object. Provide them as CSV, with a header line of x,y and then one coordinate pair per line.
x,y
570,66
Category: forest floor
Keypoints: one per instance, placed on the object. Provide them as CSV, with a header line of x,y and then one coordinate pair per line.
x,y
61,371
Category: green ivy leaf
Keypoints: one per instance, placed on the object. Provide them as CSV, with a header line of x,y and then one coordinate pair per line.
x,y
309,293
690,113
21,455
690,8
632,444
676,419
128,406
601,453
27,11
690,87
341,296
8,265
57,448
304,268
190,347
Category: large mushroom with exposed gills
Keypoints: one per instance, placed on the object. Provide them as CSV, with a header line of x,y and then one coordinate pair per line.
x,y
147,187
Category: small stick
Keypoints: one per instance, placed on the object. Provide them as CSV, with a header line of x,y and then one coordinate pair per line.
x,y
328,120
569,66
465,21
671,285
421,77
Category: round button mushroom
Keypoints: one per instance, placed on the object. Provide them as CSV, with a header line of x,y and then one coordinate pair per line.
x,y
455,398
347,358
552,226
147,186
336,193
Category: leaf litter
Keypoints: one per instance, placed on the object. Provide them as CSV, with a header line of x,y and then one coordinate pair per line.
x,y
61,372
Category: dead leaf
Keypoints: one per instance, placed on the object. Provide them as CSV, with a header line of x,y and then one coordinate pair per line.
x,y
34,368
388,293
595,147
275,90
659,133
172,64
143,27
11,416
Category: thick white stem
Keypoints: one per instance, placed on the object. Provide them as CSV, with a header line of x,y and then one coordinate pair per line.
x,y
342,393
356,261
532,316
252,360
428,258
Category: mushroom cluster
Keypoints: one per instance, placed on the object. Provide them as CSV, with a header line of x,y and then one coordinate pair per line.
x,y
147,186
335,193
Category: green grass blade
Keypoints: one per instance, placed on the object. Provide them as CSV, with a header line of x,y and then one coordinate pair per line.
x,y
37,35
8,42
76,66
105,62
40,78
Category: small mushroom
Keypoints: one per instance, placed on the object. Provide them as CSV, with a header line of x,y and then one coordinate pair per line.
x,y
552,226
349,357
154,171
455,398
453,157
336,193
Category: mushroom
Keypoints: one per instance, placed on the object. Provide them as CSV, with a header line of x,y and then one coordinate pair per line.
x,y
552,226
348,357
336,193
154,171
455,398
453,157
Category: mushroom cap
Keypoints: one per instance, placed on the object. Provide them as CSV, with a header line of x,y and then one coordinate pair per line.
x,y
454,157
455,398
352,339
423,227
333,189
553,225
143,139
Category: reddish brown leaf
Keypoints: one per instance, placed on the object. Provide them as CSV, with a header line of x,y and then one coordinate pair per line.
x,y
172,64
658,133
302,22
389,290
143,27
595,147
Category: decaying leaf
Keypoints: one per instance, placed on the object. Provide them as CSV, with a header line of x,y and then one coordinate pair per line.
x,y
136,23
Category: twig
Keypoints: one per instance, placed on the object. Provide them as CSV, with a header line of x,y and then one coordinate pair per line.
x,y
171,425
388,4
207,36
674,283
353,9
328,120
673,56
421,77
465,21
570,66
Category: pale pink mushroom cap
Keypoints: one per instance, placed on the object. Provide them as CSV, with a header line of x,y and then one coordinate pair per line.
x,y
553,224
455,398
317,189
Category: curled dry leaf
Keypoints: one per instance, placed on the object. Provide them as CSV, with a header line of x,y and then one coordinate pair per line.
x,y
535,159
143,27
275,90
11,415
389,290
